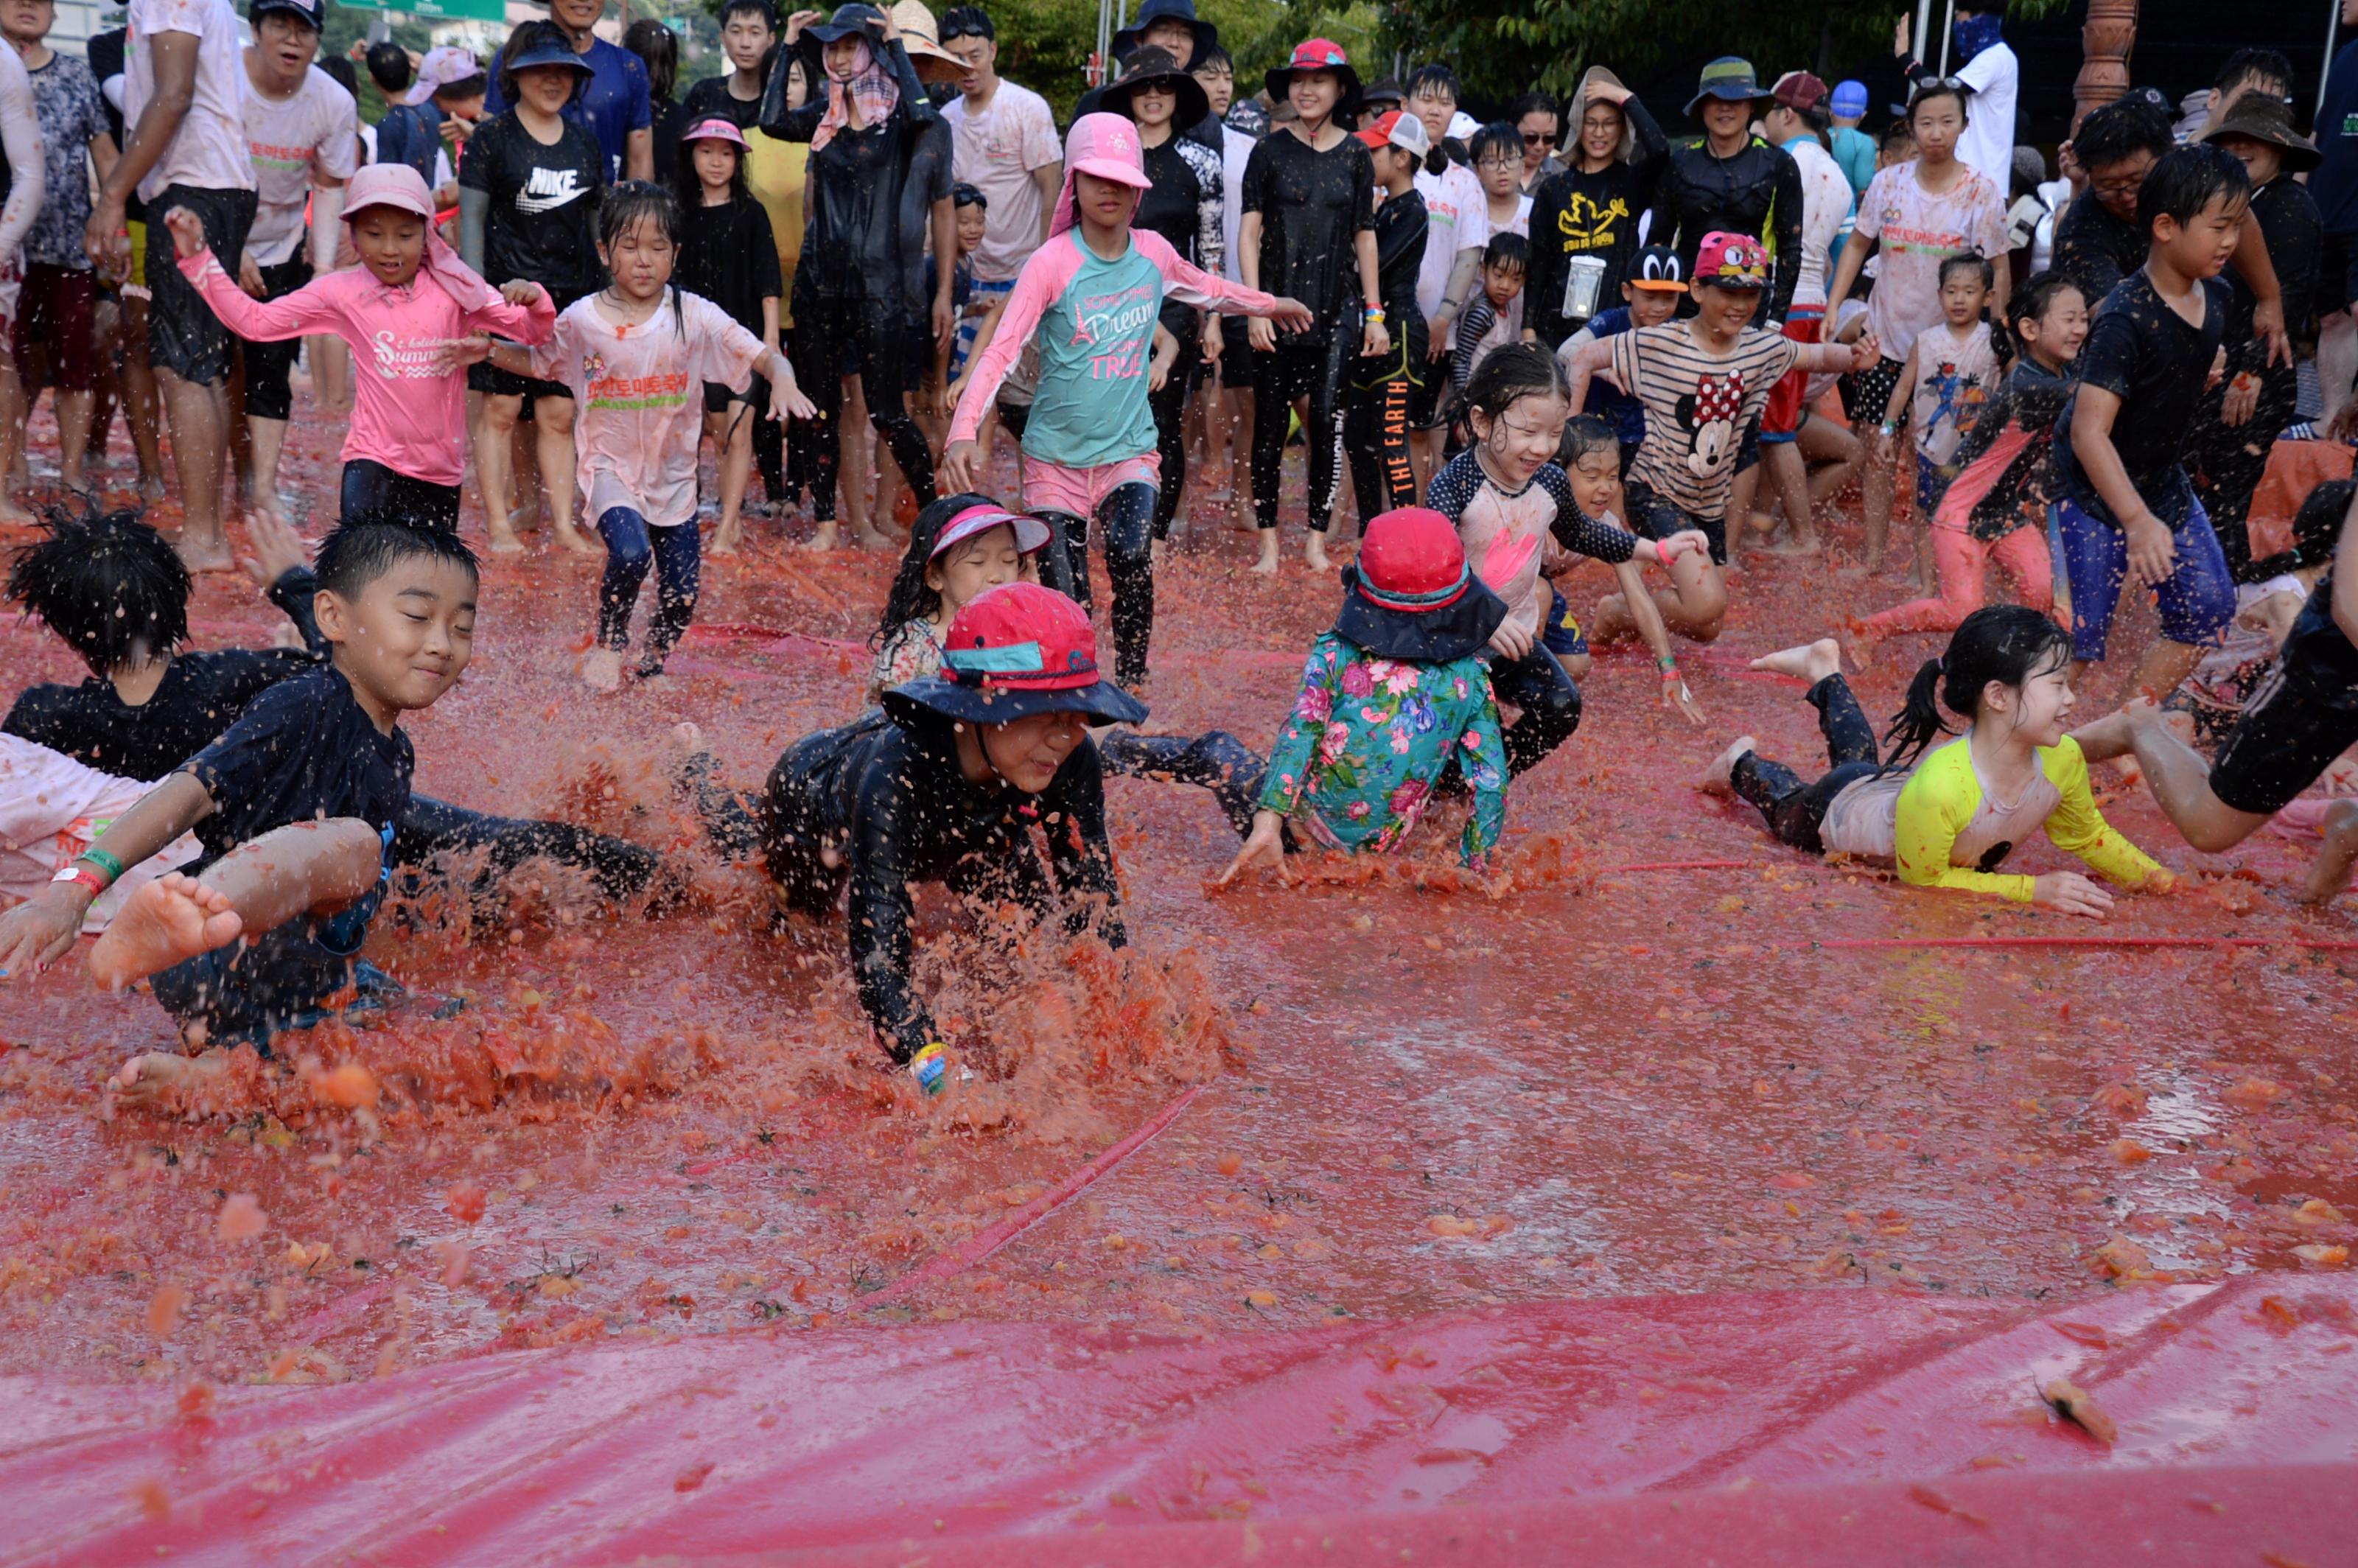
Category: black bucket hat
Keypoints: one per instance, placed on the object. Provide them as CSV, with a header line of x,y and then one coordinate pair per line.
x,y
1411,595
854,20
1128,40
2266,119
1153,65
1015,651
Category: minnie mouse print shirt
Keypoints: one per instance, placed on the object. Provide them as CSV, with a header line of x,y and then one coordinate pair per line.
x,y
1698,404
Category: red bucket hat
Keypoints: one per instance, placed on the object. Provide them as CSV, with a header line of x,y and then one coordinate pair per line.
x,y
1019,650
1318,54
1410,596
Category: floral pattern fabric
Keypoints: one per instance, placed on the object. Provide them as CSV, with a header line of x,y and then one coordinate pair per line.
x,y
1369,738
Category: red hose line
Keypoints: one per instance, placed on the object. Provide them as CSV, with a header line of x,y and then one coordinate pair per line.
x,y
991,1238
2203,942
1681,866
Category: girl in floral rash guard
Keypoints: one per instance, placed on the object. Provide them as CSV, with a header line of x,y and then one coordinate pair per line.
x,y
1392,697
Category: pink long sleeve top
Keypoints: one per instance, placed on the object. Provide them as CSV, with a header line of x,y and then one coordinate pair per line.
x,y
407,414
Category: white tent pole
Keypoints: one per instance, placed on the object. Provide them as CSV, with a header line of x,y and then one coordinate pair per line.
x,y
1948,31
1923,25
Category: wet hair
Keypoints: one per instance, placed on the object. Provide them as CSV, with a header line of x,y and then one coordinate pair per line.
x,y
339,70
1534,103
2190,179
1583,434
761,8
631,202
2036,297
109,585
1507,249
965,195
2316,530
1500,136
1207,59
471,88
2007,643
688,186
1973,261
658,48
1510,373
2118,131
1434,81
1933,87
911,596
2247,65
388,67
351,558
967,22
1899,134
530,35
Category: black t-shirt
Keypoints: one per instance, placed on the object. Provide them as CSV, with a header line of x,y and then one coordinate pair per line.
x,y
2316,658
1757,192
1576,214
887,790
730,254
304,751
1401,226
1311,204
932,178
2287,214
1170,205
200,696
669,123
711,100
2156,364
2095,249
853,194
542,224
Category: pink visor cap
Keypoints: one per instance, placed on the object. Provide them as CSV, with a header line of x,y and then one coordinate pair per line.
x,y
715,130
387,185
1030,533
1106,145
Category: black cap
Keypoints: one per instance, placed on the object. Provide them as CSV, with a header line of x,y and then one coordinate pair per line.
x,y
313,13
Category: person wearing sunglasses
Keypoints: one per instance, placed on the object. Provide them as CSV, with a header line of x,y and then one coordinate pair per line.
x,y
1539,120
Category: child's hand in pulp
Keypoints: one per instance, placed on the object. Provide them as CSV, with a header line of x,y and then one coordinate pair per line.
x,y
187,233
2071,893
41,930
1264,846
958,466
1677,698
523,292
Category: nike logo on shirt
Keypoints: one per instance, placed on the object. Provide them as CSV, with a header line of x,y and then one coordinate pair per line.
x,y
551,189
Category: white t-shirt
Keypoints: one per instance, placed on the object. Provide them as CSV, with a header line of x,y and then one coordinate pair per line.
x,y
1236,151
308,137
1987,146
1825,208
53,809
1475,228
997,148
210,152
1449,196
639,395
1918,231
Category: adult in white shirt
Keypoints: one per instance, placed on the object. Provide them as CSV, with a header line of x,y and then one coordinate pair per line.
x,y
184,101
1005,147
301,127
1455,226
1981,59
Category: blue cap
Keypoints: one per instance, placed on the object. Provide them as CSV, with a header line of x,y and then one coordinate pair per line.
x,y
1849,99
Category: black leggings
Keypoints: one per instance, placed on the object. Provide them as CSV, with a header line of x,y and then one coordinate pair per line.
x,y
1170,408
620,867
842,338
2227,460
375,493
1538,684
1795,810
1126,519
1216,761
1376,437
1310,365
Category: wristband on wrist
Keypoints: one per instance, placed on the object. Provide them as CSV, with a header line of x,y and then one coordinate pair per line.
x,y
104,863
931,1068
1668,664
1375,312
82,874
1887,429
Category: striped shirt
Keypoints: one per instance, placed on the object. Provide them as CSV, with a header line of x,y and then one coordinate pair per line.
x,y
1698,405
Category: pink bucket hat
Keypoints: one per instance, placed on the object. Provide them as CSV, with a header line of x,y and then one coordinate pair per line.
x,y
1105,146
388,184
715,130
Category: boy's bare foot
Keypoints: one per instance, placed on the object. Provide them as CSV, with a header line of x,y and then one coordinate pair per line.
x,y
571,538
870,539
1795,543
1267,564
170,920
1314,555
505,543
2328,875
830,535
147,1078
151,487
727,538
602,669
1811,661
212,557
1714,778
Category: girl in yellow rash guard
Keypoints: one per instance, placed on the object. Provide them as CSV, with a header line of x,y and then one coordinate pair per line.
x,y
1949,817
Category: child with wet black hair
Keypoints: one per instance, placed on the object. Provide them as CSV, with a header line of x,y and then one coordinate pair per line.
x,y
296,806
960,546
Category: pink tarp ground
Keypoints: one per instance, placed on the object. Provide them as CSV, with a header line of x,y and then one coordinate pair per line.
x,y
1780,1427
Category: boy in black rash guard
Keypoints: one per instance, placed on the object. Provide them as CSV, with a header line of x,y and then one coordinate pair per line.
x,y
944,783
1184,202
528,194
116,592
295,805
1383,389
1733,180
851,307
1309,213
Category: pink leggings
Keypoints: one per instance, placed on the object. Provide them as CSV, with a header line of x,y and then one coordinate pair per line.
x,y
1962,558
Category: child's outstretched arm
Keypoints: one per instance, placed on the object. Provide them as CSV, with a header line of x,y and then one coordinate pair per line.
x,y
42,929
1190,285
2078,826
523,311
297,314
1593,358
1045,277
1934,808
1902,391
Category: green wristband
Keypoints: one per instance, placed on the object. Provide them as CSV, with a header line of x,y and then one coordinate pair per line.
x,y
103,861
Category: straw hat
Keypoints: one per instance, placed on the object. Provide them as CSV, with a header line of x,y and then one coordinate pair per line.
x,y
923,39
